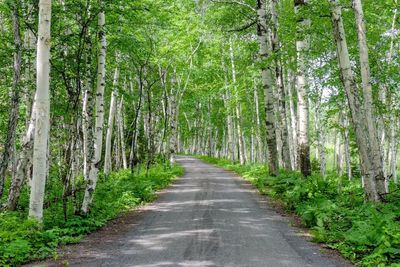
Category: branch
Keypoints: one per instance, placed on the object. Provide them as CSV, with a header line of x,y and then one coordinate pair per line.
x,y
245,27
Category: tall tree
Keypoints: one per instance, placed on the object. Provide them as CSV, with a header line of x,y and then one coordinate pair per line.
x,y
42,110
302,46
267,80
238,109
110,124
371,163
9,143
99,123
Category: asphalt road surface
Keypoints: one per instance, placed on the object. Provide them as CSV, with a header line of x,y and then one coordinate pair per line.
x,y
209,217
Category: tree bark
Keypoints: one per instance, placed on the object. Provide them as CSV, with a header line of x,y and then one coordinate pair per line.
x,y
280,86
173,118
320,135
110,124
238,109
99,123
302,97
293,120
15,97
260,148
267,78
371,163
120,121
86,128
42,123
367,97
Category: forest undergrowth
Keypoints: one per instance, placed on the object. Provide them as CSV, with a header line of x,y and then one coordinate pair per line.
x,y
23,240
334,209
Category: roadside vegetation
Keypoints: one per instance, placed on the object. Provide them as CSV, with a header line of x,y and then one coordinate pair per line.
x,y
335,210
23,239
91,89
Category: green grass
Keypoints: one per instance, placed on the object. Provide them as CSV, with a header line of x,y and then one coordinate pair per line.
x,y
335,211
23,240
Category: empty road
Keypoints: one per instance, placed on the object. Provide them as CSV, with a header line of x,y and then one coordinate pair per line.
x,y
208,217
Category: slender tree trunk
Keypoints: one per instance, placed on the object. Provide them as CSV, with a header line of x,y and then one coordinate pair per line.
x,y
209,126
338,153
227,103
99,123
302,97
242,155
267,78
393,144
40,147
120,118
15,97
393,118
173,119
110,124
280,85
260,148
293,121
150,129
134,143
320,135
370,156
23,163
86,128
367,96
346,143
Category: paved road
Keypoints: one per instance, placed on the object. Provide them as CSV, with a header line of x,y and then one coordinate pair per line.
x,y
209,217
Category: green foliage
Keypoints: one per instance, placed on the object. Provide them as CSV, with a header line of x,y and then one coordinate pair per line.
x,y
22,240
368,234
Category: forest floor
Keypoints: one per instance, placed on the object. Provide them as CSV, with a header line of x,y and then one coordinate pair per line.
x,y
208,217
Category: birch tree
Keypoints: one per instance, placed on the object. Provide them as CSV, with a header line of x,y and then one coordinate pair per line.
x,y
99,122
9,143
110,124
371,163
42,110
267,80
238,109
302,46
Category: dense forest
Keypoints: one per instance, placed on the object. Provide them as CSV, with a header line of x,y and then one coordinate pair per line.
x,y
97,98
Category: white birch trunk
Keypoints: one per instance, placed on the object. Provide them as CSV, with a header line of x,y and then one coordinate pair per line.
x,y
320,136
371,164
42,123
302,45
110,124
173,119
293,122
267,78
120,117
86,120
99,123
375,152
242,155
346,144
260,148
